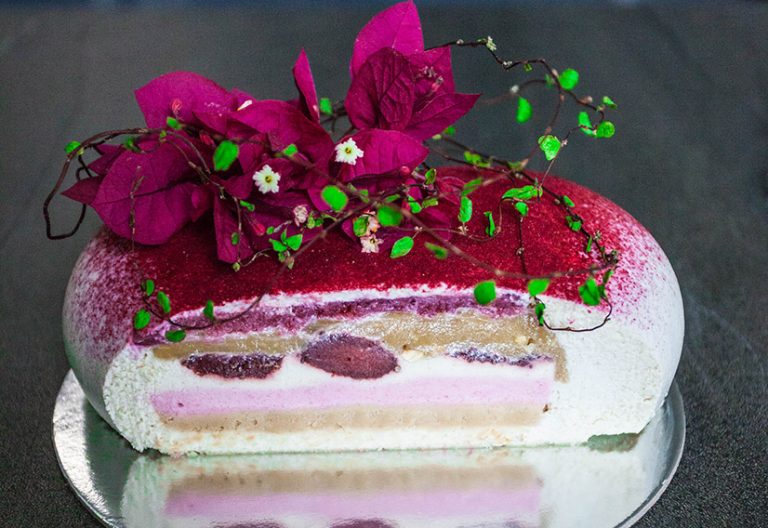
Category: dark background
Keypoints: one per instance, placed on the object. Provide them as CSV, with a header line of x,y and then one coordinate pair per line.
x,y
689,160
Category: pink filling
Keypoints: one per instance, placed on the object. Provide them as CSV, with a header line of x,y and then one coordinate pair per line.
x,y
345,392
430,504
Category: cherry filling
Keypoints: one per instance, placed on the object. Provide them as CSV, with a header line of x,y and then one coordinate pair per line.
x,y
233,365
350,356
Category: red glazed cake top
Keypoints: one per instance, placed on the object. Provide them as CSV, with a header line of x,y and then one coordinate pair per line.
x,y
187,268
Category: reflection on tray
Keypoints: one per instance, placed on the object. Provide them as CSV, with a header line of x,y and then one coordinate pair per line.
x,y
598,484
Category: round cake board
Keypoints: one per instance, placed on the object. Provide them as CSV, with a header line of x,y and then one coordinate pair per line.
x,y
610,481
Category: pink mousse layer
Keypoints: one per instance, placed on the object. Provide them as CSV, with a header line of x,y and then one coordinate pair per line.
x,y
343,392
431,504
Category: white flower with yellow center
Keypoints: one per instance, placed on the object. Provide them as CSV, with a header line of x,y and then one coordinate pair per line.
x,y
348,152
370,244
267,180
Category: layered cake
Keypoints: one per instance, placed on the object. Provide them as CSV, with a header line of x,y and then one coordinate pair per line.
x,y
266,284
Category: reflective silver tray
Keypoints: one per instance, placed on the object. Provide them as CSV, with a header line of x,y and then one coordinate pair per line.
x,y
610,481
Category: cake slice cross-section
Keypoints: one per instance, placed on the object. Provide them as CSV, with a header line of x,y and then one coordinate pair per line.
x,y
350,350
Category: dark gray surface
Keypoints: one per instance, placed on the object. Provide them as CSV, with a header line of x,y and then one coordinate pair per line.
x,y
690,161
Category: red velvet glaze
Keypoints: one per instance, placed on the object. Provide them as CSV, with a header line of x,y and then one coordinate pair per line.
x,y
188,270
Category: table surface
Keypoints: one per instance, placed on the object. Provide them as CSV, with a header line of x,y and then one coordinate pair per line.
x,y
689,160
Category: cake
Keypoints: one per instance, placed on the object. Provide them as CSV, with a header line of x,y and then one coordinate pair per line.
x,y
343,295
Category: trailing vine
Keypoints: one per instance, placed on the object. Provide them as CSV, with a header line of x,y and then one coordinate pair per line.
x,y
213,155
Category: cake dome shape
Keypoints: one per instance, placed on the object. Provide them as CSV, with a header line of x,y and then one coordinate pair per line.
x,y
351,350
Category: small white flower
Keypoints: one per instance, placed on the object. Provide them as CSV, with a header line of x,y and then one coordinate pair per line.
x,y
245,105
373,224
266,179
490,44
300,214
370,244
348,152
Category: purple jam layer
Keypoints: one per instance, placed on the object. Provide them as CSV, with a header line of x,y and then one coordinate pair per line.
x,y
350,356
238,366
363,523
473,355
297,317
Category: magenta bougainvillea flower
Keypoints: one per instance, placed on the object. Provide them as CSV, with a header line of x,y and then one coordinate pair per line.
x,y
396,84
279,157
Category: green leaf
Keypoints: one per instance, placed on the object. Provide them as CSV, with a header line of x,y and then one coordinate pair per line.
x,y
148,286
573,222
130,144
248,205
164,301
491,229
524,110
550,146
606,129
414,205
527,67
548,80
567,201
539,309
476,159
439,252
393,198
326,106
485,292
522,208
607,276
270,230
450,131
526,192
208,310
569,79
235,238
402,247
389,216
175,336
430,176
585,124
465,210
290,150
72,145
277,245
224,155
141,319
590,294
607,101
334,197
588,249
471,186
537,286
173,123
294,241
429,202
360,225
236,267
